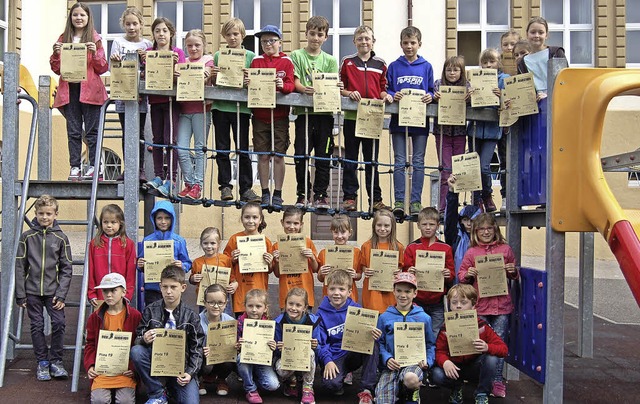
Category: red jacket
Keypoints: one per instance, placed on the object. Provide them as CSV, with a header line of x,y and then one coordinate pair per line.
x,y
111,257
497,347
410,261
92,90
369,77
284,70
95,323
495,304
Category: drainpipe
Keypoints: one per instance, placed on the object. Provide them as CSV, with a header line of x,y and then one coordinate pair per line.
x,y
409,12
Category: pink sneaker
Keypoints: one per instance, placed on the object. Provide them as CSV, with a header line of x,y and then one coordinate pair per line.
x,y
290,389
499,389
253,397
307,396
365,397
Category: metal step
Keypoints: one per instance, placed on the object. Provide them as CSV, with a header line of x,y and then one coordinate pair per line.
x,y
65,190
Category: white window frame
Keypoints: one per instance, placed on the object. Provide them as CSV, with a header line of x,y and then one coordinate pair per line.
x,y
336,31
4,25
104,22
631,27
257,23
566,28
179,22
483,27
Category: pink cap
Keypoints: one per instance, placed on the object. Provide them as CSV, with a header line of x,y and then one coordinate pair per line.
x,y
406,277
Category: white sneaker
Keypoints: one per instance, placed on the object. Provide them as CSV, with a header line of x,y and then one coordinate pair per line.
x,y
74,174
202,392
88,173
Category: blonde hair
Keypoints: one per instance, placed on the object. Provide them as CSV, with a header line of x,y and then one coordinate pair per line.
x,y
485,219
463,290
258,294
511,32
298,292
131,10
340,223
210,231
393,241
198,34
231,24
429,213
363,28
339,277
490,54
45,200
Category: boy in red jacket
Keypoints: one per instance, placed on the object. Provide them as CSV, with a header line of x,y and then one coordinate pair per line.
x,y
451,371
114,314
271,39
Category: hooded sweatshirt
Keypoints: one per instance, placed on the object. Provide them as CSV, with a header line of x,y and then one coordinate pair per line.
x,y
179,244
307,319
454,233
331,330
402,74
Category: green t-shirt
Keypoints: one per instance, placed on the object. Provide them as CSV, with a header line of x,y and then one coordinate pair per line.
x,y
230,106
305,65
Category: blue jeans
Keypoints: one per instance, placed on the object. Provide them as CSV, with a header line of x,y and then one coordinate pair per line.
x,y
350,362
436,312
198,124
500,324
141,357
485,149
481,369
417,161
265,376
35,305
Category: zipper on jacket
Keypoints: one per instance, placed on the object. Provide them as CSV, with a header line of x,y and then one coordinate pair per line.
x,y
109,255
44,243
366,83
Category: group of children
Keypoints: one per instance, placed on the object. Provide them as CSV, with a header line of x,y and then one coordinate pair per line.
x,y
363,74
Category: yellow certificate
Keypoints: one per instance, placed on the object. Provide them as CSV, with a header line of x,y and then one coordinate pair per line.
x,y
506,117
522,94
452,106
221,340
357,330
73,62
190,86
251,258
291,259
483,81
256,334
466,168
167,353
296,350
492,277
383,263
124,80
158,73
326,95
112,356
412,111
409,343
429,266
370,119
509,64
462,330
158,254
231,62
262,88
212,275
338,257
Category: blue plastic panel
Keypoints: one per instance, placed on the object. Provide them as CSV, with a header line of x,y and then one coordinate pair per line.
x,y
532,146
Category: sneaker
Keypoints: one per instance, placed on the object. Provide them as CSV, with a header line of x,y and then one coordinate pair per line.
x,y
480,204
249,196
456,396
349,205
158,400
166,189
202,391
482,399
222,389
185,191
253,397
88,173
365,397
290,389
154,183
195,192
321,203
301,202
379,205
43,373
489,205
498,389
226,194
348,379
74,174
266,199
277,201
410,396
415,208
503,206
398,208
57,370
307,396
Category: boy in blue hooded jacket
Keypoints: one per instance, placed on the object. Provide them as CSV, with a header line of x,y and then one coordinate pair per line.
x,y
393,377
163,219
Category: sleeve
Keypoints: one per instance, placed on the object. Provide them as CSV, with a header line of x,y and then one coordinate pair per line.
x,y
509,257
409,257
323,351
385,354
400,256
559,53
91,346
91,291
332,66
297,69
391,87
278,331
130,269
98,60
195,342
344,77
430,342
183,255
181,57
65,269
143,326
54,60
497,346
429,79
22,267
449,263
288,85
383,78
451,218
115,50
442,348
467,262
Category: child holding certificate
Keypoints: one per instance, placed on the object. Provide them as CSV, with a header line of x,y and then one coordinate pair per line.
x,y
114,314
292,224
296,304
452,371
486,238
111,251
163,219
254,376
409,71
170,314
341,232
396,377
521,49
80,100
263,118
253,222
431,302
383,237
337,363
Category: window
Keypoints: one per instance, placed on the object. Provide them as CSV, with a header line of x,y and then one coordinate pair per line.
x,y
633,33
184,14
480,25
344,17
255,14
106,19
4,13
571,26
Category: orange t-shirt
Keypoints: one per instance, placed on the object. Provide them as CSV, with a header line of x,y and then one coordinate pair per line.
x,y
356,266
114,323
304,281
375,299
218,260
246,282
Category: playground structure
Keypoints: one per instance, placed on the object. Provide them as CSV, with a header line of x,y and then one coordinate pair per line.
x,y
546,362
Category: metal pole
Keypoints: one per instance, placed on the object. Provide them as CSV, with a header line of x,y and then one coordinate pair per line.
x,y
44,129
272,180
585,296
238,148
374,168
307,191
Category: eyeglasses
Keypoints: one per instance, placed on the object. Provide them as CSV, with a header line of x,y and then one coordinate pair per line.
x,y
269,41
217,304
485,229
